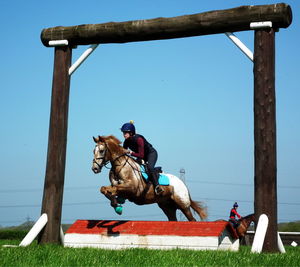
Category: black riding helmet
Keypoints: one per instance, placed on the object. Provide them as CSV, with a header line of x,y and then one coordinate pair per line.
x,y
128,127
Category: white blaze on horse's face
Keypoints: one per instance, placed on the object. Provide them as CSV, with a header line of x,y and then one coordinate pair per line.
x,y
99,158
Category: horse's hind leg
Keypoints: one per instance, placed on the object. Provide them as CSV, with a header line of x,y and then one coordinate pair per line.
x,y
169,209
188,214
183,206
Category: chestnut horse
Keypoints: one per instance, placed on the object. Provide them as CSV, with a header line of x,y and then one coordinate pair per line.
x,y
127,182
243,225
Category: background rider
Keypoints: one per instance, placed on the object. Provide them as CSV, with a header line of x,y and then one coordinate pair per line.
x,y
233,214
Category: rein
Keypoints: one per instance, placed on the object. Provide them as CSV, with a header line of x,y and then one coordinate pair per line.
x,y
113,168
100,165
247,220
112,162
122,155
127,161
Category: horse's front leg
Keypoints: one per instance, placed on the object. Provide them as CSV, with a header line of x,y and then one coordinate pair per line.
x,y
110,192
124,191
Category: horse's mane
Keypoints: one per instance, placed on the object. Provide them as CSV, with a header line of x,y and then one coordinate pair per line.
x,y
113,143
248,218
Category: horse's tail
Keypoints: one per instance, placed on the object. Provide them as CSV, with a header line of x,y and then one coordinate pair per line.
x,y
199,208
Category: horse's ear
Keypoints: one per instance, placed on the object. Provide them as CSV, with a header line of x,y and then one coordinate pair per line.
x,y
101,139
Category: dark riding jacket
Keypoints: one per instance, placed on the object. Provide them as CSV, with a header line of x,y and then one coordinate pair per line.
x,y
139,145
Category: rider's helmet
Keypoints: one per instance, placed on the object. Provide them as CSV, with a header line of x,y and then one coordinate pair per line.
x,y
128,127
235,205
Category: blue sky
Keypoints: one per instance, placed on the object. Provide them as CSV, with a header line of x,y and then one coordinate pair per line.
x,y
192,98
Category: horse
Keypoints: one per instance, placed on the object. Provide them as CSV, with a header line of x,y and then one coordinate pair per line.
x,y
127,182
243,224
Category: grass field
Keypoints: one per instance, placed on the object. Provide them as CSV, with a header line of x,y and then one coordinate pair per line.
x,y
54,255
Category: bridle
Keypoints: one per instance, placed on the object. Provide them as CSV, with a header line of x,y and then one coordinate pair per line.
x,y
103,163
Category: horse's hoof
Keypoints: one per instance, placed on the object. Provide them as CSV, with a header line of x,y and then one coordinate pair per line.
x,y
119,210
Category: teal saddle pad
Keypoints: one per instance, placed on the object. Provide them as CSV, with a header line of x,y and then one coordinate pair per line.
x,y
162,180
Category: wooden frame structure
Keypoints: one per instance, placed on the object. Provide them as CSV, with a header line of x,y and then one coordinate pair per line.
x,y
213,22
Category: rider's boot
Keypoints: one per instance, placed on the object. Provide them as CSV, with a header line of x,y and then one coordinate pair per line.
x,y
157,188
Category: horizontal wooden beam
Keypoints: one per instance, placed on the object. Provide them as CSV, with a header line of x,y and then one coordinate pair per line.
x,y
213,22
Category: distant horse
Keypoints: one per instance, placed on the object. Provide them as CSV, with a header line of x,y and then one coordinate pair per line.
x,y
243,225
127,182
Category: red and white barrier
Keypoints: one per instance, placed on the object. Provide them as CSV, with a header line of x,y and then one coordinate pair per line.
x,y
152,234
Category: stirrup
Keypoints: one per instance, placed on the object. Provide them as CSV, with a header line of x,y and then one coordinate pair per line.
x,y
158,190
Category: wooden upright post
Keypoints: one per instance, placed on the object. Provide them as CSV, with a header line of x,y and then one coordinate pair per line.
x,y
56,156
265,169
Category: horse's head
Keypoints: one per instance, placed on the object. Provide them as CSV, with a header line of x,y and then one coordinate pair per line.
x,y
244,223
100,154
106,148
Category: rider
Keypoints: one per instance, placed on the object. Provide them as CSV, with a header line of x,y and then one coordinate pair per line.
x,y
233,213
141,149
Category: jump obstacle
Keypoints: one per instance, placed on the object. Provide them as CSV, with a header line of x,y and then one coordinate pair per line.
x,y
105,234
218,235
264,20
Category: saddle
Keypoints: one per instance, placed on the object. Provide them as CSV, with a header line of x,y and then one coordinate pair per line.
x,y
146,173
162,178
156,169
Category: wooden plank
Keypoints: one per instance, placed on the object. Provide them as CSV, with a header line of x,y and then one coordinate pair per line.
x,y
56,156
265,169
218,21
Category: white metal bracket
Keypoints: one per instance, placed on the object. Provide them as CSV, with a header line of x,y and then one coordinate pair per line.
x,y
240,45
58,43
82,58
260,25
253,26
